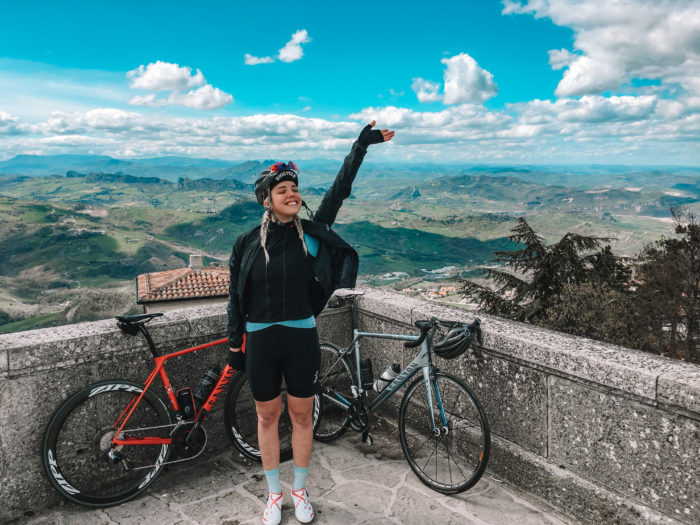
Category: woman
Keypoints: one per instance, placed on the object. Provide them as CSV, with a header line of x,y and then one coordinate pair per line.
x,y
282,274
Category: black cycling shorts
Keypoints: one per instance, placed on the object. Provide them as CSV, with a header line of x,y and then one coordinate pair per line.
x,y
281,351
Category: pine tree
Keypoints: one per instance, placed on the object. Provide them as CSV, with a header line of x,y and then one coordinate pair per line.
x,y
669,289
536,273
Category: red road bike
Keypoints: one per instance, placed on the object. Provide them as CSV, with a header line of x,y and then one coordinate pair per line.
x,y
108,442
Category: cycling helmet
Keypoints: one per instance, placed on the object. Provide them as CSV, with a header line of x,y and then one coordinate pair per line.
x,y
270,177
455,342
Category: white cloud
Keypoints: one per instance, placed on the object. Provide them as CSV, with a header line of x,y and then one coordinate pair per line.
x,y
425,90
561,58
595,112
622,40
148,100
164,76
251,60
111,119
590,108
591,128
205,97
10,125
292,50
465,82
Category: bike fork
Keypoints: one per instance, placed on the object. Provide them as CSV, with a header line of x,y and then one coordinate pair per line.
x,y
429,394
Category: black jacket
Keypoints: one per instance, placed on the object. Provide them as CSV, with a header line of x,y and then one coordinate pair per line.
x,y
335,264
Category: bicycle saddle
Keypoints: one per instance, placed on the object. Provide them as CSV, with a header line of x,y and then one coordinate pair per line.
x,y
135,318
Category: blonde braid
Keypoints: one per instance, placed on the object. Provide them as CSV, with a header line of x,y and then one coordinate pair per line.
x,y
300,231
263,233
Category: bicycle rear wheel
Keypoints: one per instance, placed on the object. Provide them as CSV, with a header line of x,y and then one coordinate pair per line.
x,y
79,435
241,419
338,380
454,458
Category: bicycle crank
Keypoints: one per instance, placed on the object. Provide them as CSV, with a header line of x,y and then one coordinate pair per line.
x,y
358,418
189,443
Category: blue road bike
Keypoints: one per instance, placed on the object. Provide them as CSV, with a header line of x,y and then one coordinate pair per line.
x,y
442,427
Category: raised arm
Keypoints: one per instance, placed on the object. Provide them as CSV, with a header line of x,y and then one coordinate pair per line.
x,y
342,186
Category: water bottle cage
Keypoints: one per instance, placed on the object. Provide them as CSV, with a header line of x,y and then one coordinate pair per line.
x,y
366,373
381,383
387,377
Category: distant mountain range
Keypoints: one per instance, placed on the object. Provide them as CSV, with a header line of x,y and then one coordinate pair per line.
x,y
169,168
318,172
491,189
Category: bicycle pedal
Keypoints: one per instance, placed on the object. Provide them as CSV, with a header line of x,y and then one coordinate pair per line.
x,y
367,438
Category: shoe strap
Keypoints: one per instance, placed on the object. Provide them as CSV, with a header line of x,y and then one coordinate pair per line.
x,y
301,494
274,498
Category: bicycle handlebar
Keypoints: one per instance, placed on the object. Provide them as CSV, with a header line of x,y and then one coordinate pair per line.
x,y
425,326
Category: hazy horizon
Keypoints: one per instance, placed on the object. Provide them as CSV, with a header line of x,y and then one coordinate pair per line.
x,y
369,162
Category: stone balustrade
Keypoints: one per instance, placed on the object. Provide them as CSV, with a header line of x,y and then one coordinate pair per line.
x,y
606,434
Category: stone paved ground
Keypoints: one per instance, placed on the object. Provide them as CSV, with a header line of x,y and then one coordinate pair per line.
x,y
349,483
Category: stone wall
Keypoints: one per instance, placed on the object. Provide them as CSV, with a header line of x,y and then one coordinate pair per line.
x,y
606,434
39,369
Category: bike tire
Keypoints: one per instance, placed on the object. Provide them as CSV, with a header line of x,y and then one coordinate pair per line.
x,y
79,435
455,460
241,419
333,420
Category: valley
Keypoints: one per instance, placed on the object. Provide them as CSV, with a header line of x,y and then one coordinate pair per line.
x,y
64,235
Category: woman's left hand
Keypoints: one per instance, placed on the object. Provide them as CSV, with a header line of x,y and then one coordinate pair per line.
x,y
370,136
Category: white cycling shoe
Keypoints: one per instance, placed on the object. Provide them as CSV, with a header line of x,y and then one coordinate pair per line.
x,y
272,514
302,508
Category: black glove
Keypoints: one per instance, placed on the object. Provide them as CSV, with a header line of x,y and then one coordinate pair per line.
x,y
236,360
369,136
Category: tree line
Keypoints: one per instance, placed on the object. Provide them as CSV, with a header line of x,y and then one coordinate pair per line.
x,y
577,285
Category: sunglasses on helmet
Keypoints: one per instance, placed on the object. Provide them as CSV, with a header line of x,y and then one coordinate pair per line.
x,y
279,167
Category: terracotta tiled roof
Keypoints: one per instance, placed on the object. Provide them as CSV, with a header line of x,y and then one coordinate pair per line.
x,y
184,283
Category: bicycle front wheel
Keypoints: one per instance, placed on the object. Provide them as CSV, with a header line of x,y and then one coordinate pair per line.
x,y
335,379
451,456
241,419
78,439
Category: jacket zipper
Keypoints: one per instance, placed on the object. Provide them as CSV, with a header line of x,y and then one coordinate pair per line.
x,y
284,278
267,290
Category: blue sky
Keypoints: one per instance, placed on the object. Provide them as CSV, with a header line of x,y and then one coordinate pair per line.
x,y
538,82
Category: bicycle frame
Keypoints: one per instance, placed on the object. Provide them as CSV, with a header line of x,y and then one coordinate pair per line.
x,y
421,361
159,370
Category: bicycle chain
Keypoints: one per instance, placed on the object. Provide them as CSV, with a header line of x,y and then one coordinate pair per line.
x,y
175,427
206,440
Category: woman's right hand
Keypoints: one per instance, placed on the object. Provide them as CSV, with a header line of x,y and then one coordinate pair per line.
x,y
236,359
